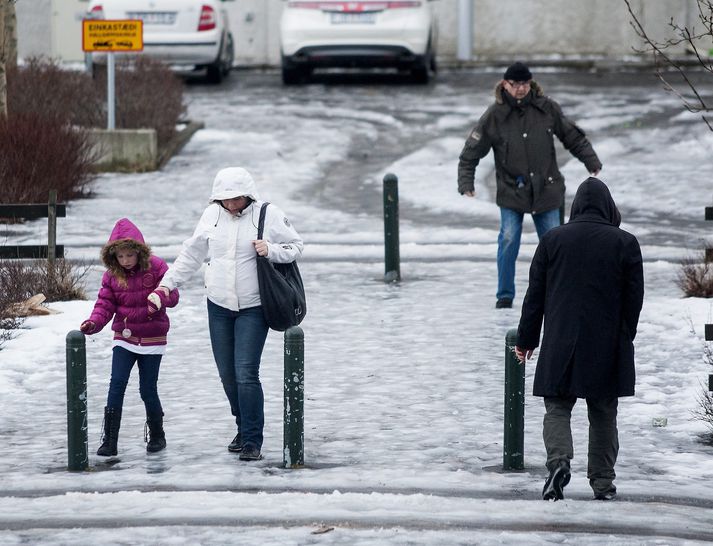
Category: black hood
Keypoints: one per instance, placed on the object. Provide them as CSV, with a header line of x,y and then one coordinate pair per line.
x,y
594,202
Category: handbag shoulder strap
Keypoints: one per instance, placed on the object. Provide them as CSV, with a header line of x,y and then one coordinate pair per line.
x,y
261,222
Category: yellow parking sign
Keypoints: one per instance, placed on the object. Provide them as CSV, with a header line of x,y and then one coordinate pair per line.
x,y
112,35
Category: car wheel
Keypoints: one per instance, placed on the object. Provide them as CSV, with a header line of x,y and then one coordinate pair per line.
x,y
420,70
419,73
230,56
214,73
292,75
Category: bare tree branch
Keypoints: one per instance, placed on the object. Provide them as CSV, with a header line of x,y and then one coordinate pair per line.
x,y
665,62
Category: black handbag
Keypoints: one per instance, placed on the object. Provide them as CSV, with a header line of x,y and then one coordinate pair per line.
x,y
281,290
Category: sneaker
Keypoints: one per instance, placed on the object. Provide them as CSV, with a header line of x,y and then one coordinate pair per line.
x,y
236,445
503,303
556,483
606,495
250,453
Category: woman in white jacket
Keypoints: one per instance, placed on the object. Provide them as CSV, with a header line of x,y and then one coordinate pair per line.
x,y
227,236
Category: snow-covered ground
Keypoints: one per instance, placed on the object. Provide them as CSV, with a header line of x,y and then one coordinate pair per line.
x,y
403,383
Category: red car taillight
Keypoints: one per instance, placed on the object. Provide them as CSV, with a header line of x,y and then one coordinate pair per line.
x,y
353,7
207,20
97,12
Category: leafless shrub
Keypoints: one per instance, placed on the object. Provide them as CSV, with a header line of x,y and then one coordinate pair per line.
x,y
695,278
8,323
40,153
148,94
42,87
20,279
704,412
61,281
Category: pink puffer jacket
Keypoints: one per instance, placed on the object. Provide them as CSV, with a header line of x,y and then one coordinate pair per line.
x,y
123,293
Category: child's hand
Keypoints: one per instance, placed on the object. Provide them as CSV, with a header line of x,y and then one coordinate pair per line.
x,y
88,327
154,302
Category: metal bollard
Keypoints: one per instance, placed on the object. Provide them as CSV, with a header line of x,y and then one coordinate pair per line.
x,y
391,229
77,444
293,431
514,437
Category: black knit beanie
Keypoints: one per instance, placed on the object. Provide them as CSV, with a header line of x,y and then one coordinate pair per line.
x,y
518,72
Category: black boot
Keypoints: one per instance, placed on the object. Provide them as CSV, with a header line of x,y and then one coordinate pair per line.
x,y
112,421
154,434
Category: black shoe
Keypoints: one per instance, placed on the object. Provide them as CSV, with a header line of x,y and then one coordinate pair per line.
x,y
250,453
606,495
236,446
503,303
556,483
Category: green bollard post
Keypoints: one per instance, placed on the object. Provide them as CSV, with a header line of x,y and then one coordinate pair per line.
x,y
514,437
293,431
391,229
77,444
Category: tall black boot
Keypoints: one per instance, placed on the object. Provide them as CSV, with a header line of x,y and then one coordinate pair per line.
x,y
156,437
112,421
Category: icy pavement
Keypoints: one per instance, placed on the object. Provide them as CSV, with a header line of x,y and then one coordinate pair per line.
x,y
403,383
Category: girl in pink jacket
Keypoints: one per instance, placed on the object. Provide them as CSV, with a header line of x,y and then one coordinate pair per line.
x,y
132,276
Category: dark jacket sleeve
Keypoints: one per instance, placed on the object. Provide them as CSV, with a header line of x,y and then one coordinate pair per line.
x,y
574,140
477,146
533,306
633,293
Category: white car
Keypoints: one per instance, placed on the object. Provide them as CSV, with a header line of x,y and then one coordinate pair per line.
x,y
333,33
178,32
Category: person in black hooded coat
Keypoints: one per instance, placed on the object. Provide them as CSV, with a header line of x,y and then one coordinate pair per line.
x,y
586,282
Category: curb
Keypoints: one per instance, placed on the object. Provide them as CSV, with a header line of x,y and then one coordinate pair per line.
x,y
176,143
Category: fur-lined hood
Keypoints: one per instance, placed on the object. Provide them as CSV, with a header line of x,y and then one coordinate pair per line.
x,y
125,234
534,86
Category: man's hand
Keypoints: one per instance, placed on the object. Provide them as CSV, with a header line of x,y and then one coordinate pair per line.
x,y
523,355
469,193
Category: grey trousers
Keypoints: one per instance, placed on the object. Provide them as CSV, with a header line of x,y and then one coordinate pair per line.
x,y
603,438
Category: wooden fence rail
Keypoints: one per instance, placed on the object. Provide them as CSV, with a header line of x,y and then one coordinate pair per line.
x,y
50,210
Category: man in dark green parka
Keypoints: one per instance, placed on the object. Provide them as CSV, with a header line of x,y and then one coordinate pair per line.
x,y
520,128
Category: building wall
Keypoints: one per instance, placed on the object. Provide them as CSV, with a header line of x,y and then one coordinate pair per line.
x,y
501,28
34,34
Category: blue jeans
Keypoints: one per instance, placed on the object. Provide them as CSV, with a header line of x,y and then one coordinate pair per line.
x,y
237,338
509,244
121,364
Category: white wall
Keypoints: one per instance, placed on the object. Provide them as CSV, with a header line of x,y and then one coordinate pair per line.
x,y
501,28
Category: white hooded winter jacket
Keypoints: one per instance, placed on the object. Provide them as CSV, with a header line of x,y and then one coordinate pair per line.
x,y
227,242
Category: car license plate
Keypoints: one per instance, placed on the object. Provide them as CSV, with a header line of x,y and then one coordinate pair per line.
x,y
353,18
154,17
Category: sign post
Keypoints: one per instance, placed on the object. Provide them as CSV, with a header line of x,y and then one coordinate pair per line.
x,y
111,35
